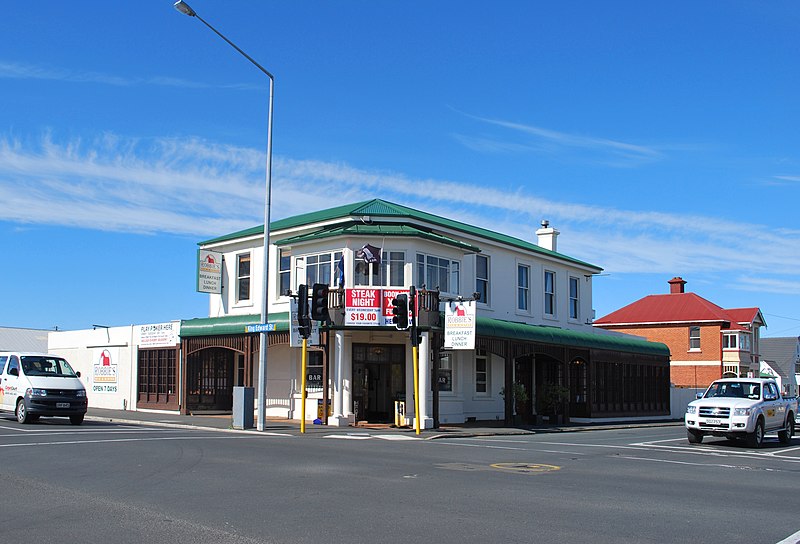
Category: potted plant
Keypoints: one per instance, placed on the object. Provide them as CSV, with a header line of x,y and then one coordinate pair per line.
x,y
519,396
552,400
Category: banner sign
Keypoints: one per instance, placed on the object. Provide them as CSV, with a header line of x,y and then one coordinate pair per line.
x,y
459,325
362,307
209,271
158,335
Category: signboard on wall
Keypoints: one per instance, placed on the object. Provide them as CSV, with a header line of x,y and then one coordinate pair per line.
x,y
157,335
104,370
209,271
459,325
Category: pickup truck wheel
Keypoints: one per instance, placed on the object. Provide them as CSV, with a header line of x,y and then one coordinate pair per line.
x,y
755,438
22,412
785,436
695,437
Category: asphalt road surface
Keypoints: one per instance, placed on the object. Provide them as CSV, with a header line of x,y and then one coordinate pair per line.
x,y
115,483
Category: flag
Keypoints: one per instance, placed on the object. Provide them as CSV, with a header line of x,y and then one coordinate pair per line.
x,y
340,272
370,254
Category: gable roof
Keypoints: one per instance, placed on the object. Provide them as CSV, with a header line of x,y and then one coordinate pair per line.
x,y
780,353
378,208
677,308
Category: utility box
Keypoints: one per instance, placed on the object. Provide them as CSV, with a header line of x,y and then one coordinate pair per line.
x,y
243,407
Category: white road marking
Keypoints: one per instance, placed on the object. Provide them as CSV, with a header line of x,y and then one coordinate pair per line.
x,y
791,539
111,440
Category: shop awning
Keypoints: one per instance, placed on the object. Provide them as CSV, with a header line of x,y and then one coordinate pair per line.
x,y
231,324
523,332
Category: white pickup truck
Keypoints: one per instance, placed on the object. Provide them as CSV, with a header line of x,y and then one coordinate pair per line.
x,y
741,408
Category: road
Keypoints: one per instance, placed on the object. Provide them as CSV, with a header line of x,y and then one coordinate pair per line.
x,y
121,483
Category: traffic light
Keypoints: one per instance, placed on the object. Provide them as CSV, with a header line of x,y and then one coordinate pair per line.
x,y
303,321
319,302
400,311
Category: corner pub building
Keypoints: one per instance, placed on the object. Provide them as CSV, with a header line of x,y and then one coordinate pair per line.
x,y
534,314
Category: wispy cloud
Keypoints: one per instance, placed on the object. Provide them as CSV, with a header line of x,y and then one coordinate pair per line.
x,y
203,189
12,70
531,138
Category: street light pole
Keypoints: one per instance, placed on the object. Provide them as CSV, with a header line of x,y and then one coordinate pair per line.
x,y
184,8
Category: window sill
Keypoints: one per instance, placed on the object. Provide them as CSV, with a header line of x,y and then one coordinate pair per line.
x,y
694,350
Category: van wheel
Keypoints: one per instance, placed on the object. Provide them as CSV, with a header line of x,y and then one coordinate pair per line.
x,y
695,437
786,436
22,412
76,420
755,438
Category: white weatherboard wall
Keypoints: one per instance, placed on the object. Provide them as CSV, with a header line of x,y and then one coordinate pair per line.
x,y
89,351
107,358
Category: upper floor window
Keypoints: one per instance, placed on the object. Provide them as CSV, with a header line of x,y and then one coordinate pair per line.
x,y
694,337
549,293
242,277
729,341
321,268
433,272
482,278
284,272
574,300
744,342
523,288
393,268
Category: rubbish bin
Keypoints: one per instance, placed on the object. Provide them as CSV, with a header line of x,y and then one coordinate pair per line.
x,y
243,407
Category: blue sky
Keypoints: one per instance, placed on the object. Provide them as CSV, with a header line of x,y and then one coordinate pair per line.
x,y
659,138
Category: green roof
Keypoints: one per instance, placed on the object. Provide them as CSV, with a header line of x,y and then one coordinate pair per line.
x,y
230,324
498,328
383,230
381,208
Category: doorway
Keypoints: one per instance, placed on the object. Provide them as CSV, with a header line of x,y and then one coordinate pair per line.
x,y
379,379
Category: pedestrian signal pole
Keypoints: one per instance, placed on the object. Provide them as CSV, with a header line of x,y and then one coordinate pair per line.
x,y
304,327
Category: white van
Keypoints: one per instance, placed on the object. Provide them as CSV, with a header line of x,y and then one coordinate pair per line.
x,y
37,384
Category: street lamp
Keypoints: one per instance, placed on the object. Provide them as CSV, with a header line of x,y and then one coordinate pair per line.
x,y
184,8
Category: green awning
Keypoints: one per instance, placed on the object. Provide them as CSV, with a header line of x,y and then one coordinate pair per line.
x,y
512,330
231,324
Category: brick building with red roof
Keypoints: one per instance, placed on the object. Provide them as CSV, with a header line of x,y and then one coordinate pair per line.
x,y
706,341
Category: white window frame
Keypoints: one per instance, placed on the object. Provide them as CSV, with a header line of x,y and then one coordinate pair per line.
x,y
726,341
244,277
284,271
524,291
694,339
393,268
574,299
483,377
329,262
549,296
425,262
482,284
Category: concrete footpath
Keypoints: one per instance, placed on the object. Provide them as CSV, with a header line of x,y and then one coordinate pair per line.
x,y
224,423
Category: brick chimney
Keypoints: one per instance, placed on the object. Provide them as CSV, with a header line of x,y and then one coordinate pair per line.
x,y
546,236
676,285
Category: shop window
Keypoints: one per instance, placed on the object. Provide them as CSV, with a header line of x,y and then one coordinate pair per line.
x,y
481,372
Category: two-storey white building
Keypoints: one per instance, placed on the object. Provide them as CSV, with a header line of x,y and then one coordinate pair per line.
x,y
533,326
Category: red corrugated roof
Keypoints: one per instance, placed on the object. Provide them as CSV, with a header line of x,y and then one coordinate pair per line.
x,y
676,307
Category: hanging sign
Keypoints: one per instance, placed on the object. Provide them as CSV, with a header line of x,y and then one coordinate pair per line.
x,y
209,271
459,325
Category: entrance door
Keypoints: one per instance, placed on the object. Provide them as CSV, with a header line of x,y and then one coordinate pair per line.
x,y
210,380
378,381
523,375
